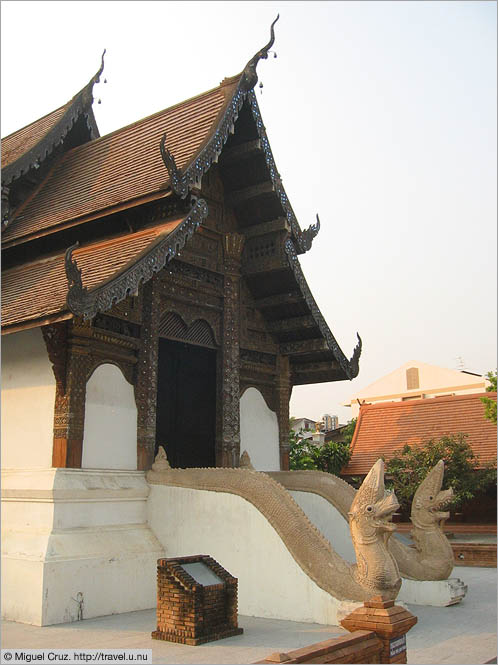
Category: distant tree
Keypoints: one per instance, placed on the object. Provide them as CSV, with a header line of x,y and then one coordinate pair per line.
x,y
300,453
490,404
306,454
406,470
348,430
332,456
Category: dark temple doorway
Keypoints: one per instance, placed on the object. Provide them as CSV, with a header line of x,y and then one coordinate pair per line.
x,y
186,404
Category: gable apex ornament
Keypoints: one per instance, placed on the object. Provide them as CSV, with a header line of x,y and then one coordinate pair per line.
x,y
249,76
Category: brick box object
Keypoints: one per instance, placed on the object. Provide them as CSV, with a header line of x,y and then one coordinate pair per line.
x,y
390,623
190,612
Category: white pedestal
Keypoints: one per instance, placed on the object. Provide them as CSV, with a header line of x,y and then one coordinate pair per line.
x,y
440,593
67,532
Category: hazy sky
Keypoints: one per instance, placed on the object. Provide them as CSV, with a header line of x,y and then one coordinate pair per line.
x,y
381,117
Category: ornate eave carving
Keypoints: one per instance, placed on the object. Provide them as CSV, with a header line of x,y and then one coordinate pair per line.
x,y
183,181
81,103
349,367
86,303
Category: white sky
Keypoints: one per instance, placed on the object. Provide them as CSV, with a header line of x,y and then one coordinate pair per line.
x,y
381,117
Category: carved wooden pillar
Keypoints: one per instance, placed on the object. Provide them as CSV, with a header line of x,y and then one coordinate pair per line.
x,y
284,389
233,244
69,356
147,370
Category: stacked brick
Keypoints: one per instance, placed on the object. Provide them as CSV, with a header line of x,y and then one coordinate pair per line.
x,y
189,612
390,623
361,646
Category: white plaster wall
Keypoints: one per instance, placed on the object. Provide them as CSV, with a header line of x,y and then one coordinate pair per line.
x,y
28,395
110,431
329,521
240,538
259,431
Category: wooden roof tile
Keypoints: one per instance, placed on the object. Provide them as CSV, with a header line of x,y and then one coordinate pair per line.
x,y
383,429
18,143
121,166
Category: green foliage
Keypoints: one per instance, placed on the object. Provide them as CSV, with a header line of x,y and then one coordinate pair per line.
x,y
409,467
490,404
301,453
305,454
332,457
348,431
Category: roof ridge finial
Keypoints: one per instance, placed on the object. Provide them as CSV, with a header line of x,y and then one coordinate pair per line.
x,y
249,76
87,92
96,78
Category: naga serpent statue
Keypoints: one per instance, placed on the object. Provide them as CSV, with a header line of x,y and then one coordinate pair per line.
x,y
432,558
370,513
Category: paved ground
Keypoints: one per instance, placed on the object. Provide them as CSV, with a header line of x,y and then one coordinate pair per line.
x,y
462,634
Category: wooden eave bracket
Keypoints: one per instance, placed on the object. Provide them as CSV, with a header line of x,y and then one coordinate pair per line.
x,y
87,302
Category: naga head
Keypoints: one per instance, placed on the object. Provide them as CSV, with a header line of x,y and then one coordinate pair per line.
x,y
372,508
429,499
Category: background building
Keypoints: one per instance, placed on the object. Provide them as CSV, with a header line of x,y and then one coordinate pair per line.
x,y
417,380
330,422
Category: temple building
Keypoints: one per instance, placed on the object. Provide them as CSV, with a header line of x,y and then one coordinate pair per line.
x,y
152,295
164,258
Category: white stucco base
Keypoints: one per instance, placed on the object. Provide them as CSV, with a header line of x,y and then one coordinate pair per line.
x,y
259,431
239,537
437,593
71,531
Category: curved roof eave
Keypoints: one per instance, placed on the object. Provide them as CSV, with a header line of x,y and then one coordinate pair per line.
x,y
81,103
87,302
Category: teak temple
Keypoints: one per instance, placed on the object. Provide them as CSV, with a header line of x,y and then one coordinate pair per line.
x,y
152,295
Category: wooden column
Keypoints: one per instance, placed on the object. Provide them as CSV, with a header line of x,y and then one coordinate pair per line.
x,y
147,371
68,349
284,389
233,244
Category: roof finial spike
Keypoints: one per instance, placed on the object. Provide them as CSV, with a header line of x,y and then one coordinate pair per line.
x,y
96,78
88,89
249,76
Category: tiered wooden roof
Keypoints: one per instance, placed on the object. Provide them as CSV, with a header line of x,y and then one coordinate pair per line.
x,y
383,429
117,170
82,196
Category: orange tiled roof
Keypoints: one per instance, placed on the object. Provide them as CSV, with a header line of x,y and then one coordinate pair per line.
x,y
383,429
121,166
39,289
